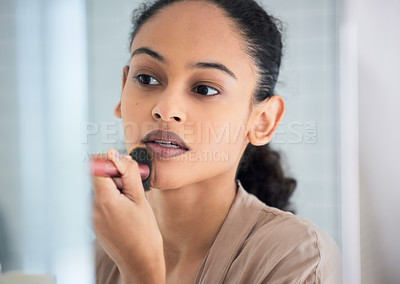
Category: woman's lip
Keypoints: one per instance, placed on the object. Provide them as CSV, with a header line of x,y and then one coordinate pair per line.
x,y
165,136
164,152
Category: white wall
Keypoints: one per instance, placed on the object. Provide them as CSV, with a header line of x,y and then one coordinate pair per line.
x,y
370,60
349,141
379,136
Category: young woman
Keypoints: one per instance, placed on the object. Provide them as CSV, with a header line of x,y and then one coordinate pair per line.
x,y
199,95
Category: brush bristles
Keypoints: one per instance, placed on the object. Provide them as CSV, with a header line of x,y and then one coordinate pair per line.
x,y
141,156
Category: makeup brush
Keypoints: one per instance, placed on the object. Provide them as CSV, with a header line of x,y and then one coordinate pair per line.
x,y
106,168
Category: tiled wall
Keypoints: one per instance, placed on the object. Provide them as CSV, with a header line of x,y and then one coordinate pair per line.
x,y
308,136
108,52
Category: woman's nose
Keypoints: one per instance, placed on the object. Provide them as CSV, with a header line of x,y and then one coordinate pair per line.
x,y
169,108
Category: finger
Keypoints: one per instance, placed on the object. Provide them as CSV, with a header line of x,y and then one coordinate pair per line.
x,y
105,190
132,186
118,182
102,156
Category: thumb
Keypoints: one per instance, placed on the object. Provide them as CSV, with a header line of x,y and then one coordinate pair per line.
x,y
132,186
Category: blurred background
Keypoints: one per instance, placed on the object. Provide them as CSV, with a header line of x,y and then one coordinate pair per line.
x,y
60,77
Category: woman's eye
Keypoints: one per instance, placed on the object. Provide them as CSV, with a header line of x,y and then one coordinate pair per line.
x,y
205,90
147,80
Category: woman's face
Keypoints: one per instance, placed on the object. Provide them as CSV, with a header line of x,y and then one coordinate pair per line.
x,y
190,75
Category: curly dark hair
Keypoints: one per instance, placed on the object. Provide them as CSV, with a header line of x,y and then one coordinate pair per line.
x,y
261,173
260,170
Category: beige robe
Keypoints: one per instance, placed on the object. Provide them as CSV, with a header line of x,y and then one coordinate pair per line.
x,y
258,244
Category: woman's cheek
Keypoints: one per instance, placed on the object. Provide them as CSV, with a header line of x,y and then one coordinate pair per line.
x,y
131,132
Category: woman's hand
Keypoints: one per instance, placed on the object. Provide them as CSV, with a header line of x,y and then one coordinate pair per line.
x,y
125,225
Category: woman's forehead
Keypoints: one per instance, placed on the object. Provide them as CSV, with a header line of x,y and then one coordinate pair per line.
x,y
190,17
194,31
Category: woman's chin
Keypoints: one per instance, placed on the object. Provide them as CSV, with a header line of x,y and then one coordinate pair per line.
x,y
165,182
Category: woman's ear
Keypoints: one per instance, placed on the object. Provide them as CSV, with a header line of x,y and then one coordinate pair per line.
x,y
117,110
268,115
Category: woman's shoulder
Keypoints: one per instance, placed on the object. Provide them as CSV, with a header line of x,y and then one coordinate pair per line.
x,y
287,228
289,248
284,231
274,225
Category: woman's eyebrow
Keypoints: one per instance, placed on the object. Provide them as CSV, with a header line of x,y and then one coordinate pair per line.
x,y
219,66
199,65
148,51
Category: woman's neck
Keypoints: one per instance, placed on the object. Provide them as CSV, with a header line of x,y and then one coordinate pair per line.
x,y
190,217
